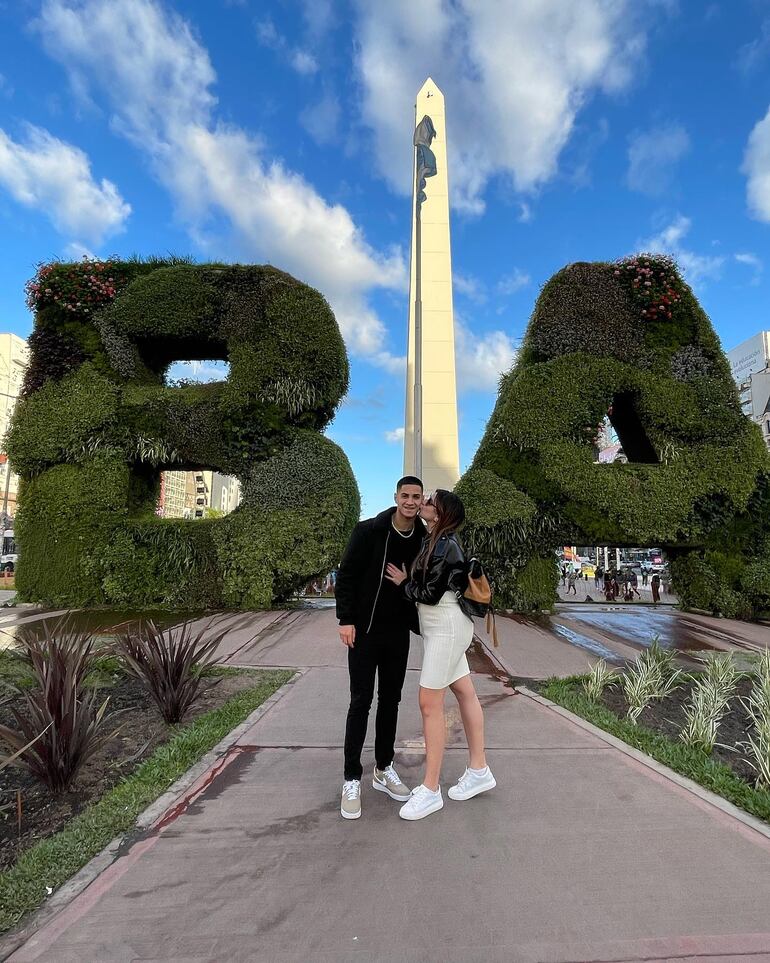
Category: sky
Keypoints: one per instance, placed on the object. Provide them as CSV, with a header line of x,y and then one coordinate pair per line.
x,y
281,132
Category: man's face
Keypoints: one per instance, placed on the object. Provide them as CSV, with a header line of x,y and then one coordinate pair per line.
x,y
409,500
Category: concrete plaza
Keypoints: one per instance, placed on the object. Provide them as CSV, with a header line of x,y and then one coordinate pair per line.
x,y
582,853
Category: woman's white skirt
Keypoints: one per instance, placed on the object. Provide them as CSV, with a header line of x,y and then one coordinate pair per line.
x,y
446,634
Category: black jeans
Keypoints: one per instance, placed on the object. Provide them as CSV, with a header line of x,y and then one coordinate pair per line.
x,y
384,653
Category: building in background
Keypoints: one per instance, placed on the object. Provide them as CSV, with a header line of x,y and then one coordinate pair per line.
x,y
173,491
197,494
750,366
14,358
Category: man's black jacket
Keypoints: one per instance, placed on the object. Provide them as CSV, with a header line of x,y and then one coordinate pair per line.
x,y
361,572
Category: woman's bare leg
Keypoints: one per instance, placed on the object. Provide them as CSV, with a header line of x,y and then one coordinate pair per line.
x,y
473,720
432,709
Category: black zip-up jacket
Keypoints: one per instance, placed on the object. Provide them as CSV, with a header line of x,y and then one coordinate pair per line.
x,y
362,571
447,571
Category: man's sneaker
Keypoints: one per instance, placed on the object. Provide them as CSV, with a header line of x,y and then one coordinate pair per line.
x,y
350,807
422,803
472,782
386,780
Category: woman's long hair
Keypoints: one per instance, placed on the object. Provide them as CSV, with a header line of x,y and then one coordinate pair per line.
x,y
450,515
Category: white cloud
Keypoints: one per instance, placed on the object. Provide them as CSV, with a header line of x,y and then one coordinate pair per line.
x,y
75,251
321,120
756,167
157,77
319,17
394,437
298,59
752,55
470,286
515,76
752,261
652,156
303,62
513,282
525,213
696,267
54,177
267,33
481,360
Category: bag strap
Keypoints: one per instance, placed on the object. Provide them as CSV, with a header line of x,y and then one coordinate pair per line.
x,y
491,626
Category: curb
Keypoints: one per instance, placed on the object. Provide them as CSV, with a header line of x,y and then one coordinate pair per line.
x,y
146,820
705,795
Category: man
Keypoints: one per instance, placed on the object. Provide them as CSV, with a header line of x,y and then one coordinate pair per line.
x,y
375,619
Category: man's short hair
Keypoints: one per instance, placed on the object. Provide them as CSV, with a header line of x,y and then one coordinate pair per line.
x,y
407,480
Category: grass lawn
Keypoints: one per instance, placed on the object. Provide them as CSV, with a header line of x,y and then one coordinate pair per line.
x,y
51,862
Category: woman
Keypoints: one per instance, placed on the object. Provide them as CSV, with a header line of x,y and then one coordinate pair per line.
x,y
438,579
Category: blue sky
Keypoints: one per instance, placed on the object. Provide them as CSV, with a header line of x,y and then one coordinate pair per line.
x,y
281,132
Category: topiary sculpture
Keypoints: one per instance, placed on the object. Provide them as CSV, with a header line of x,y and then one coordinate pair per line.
x,y
98,423
628,340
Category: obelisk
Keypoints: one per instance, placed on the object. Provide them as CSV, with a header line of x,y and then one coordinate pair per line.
x,y
432,368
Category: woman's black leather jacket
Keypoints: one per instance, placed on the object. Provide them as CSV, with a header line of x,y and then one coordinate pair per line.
x,y
447,571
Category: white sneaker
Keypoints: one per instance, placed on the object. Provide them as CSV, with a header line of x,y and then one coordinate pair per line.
x,y
387,780
350,805
422,803
471,784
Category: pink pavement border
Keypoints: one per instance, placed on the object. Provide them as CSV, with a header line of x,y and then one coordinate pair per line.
x,y
178,795
725,812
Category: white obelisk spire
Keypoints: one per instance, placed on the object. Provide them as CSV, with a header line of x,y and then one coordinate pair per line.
x,y
431,447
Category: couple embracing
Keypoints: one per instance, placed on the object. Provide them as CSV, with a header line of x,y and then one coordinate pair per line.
x,y
406,570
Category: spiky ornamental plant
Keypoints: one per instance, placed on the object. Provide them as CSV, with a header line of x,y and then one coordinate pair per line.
x,y
639,686
599,678
757,706
662,665
171,662
61,725
723,672
705,710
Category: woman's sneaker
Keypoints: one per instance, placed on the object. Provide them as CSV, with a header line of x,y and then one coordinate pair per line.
x,y
472,782
386,780
422,803
350,807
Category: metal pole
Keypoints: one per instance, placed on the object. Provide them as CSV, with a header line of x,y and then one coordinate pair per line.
x,y
417,336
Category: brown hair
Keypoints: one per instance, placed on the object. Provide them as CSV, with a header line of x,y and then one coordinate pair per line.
x,y
450,515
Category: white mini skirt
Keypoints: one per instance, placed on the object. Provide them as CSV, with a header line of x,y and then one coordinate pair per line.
x,y
446,634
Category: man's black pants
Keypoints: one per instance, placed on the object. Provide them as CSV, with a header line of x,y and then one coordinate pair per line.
x,y
384,653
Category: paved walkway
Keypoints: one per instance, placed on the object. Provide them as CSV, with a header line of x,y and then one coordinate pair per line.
x,y
581,854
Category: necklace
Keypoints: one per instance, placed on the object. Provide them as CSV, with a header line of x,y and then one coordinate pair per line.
x,y
403,534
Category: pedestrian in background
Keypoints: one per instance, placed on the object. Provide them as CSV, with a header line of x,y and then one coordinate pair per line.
x,y
655,584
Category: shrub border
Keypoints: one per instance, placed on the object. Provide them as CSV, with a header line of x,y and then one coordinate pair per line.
x,y
701,775
136,803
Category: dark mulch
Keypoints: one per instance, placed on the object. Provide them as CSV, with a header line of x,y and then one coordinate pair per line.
x,y
667,718
142,730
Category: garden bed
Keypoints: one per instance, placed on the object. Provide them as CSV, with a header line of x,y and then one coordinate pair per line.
x,y
141,731
667,718
725,771
60,834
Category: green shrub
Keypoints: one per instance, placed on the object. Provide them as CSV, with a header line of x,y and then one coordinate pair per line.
x,y
99,422
628,340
